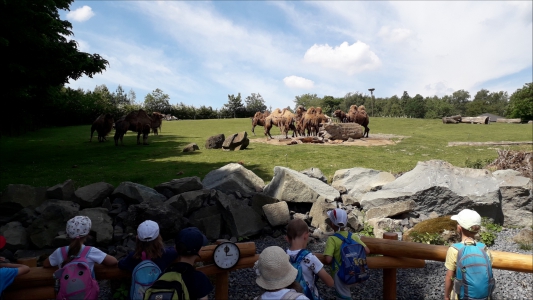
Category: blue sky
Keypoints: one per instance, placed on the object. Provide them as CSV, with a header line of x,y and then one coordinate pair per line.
x,y
198,52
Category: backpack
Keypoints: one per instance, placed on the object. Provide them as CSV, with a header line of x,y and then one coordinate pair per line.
x,y
290,295
296,263
171,285
143,276
353,267
75,279
473,275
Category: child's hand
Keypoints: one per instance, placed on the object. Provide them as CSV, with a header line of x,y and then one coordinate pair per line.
x,y
2,259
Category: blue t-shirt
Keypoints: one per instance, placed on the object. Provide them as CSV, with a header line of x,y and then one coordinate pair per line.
x,y
129,263
7,276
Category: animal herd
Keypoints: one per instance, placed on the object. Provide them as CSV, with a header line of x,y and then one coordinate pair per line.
x,y
136,121
307,121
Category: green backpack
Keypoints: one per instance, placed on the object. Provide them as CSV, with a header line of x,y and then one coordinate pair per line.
x,y
171,285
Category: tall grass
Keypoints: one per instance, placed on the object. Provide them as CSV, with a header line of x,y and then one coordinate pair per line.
x,y
53,155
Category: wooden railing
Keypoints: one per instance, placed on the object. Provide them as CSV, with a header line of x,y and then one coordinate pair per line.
x,y
38,283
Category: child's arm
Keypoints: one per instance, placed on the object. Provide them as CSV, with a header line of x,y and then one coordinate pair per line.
x,y
328,259
46,263
109,261
448,284
22,269
325,277
367,250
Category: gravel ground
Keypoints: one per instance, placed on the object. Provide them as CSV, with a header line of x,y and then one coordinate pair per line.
x,y
423,283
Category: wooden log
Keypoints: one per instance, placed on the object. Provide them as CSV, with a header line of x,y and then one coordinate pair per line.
x,y
457,118
34,293
501,260
475,120
389,274
449,120
381,262
516,121
488,143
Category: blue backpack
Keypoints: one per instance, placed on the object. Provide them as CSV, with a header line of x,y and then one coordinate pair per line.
x,y
142,278
473,274
296,263
353,267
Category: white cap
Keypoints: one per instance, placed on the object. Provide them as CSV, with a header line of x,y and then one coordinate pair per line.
x,y
148,231
468,218
78,226
338,217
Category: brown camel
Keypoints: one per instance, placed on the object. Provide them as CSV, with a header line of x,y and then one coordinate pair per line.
x,y
284,120
310,122
259,119
298,120
137,121
103,125
157,121
363,119
352,113
340,115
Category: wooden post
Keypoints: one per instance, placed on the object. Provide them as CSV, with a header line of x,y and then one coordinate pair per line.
x,y
389,275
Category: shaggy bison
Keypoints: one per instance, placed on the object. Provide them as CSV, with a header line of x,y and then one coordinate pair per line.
x,y
103,125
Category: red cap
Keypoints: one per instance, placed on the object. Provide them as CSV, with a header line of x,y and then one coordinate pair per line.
x,y
2,242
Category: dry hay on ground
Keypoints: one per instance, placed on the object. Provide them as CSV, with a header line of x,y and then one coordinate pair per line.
x,y
520,161
373,140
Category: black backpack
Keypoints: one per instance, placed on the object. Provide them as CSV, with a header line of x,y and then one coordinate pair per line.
x,y
172,285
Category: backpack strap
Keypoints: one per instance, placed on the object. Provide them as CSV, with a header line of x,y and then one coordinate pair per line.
x,y
291,295
300,256
85,251
64,253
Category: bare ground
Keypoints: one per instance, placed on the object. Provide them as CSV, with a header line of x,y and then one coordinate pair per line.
x,y
373,140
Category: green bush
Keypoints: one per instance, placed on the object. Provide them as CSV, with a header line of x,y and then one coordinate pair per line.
x,y
426,238
525,246
487,237
367,231
478,163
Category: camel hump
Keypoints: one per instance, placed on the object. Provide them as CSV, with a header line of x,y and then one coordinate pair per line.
x,y
361,108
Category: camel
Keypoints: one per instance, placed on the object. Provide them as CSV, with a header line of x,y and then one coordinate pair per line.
x,y
340,115
282,119
352,113
157,121
310,122
259,119
363,119
103,125
137,121
298,120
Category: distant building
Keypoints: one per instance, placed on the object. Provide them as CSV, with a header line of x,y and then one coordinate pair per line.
x,y
492,118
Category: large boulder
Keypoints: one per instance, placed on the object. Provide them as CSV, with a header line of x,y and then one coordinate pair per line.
x,y
438,186
178,186
259,200
315,173
237,141
517,198
209,220
359,181
277,213
191,147
17,196
52,220
215,141
169,219
93,195
188,202
318,213
16,236
391,210
239,217
101,224
381,225
293,186
343,131
233,177
61,191
134,193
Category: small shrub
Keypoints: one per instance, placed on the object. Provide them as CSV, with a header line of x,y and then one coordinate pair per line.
x,y
121,293
487,237
367,230
478,163
426,238
525,246
489,225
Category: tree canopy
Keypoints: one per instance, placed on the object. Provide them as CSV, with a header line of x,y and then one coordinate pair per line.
x,y
157,101
521,103
255,103
234,105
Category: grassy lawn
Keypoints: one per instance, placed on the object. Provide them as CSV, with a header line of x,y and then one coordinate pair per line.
x,y
53,155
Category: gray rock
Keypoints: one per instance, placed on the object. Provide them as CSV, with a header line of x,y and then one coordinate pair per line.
x,y
438,186
178,186
259,200
356,220
391,210
25,216
18,196
433,215
188,202
381,225
191,147
292,186
237,141
315,173
134,193
169,219
318,213
233,177
343,131
102,224
277,213
93,195
215,141
208,220
62,210
359,181
52,220
517,198
241,219
61,191
16,236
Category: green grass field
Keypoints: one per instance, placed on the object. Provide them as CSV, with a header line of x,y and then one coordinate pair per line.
x,y
53,155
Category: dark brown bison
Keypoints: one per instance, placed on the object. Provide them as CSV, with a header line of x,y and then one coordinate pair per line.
x,y
259,119
103,125
137,121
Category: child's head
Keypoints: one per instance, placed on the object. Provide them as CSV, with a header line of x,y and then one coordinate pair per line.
x,y
274,270
338,218
78,227
189,241
469,222
149,241
297,228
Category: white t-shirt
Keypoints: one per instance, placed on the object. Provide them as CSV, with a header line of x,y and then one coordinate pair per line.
x,y
95,256
310,266
277,295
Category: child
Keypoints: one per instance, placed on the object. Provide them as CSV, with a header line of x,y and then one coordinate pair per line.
x,y
337,220
468,224
77,230
149,245
276,275
8,271
298,236
188,241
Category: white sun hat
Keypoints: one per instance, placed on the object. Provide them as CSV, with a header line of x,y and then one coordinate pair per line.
x,y
468,218
274,270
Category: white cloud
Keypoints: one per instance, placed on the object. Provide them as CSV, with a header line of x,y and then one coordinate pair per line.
x,y
81,14
298,82
439,88
394,35
350,59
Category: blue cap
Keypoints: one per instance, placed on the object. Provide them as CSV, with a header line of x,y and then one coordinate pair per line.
x,y
190,240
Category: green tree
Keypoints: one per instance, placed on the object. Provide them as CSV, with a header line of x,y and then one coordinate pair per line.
x,y
255,103
521,103
415,107
157,101
38,58
437,108
330,104
352,98
307,100
234,105
459,100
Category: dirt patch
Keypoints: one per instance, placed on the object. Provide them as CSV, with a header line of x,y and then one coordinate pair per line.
x,y
373,140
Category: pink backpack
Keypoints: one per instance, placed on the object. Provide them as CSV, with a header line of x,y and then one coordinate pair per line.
x,y
75,278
